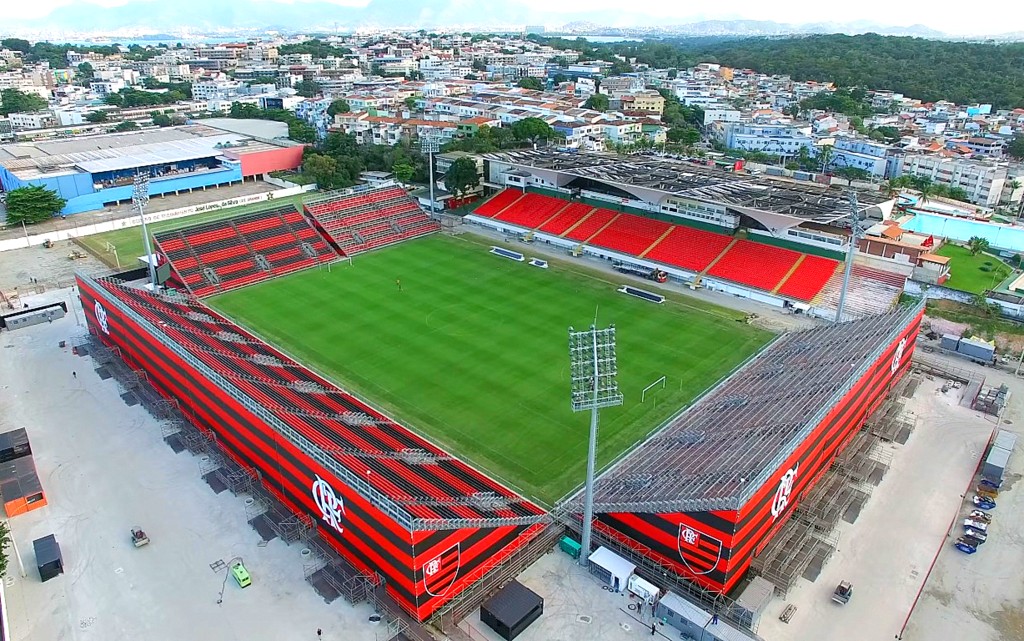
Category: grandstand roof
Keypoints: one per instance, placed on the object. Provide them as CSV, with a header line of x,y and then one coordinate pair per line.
x,y
113,152
403,474
655,177
716,453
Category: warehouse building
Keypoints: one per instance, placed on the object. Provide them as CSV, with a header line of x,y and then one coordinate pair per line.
x,y
95,171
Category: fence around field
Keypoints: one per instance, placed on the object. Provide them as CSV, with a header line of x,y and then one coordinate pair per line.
x,y
30,240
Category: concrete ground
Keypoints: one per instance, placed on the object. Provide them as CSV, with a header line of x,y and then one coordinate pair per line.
x,y
156,204
51,267
575,608
105,468
981,597
887,551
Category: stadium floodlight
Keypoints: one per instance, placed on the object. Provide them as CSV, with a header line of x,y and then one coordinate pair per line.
x,y
430,146
140,198
592,373
854,230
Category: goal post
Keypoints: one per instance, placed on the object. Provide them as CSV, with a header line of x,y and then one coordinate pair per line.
x,y
643,394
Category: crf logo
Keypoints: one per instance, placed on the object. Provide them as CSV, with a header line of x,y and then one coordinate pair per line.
x,y
898,356
332,509
781,500
101,318
433,567
689,536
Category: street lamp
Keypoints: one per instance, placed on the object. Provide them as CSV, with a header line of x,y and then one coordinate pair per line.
x,y
140,198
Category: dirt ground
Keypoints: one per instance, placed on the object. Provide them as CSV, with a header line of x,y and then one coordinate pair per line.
x,y
50,267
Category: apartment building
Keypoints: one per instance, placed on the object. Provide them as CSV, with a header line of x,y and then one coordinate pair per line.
x,y
982,180
878,159
780,140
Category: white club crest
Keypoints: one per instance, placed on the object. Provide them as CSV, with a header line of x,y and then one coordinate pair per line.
x,y
689,536
433,567
898,356
781,500
101,318
332,509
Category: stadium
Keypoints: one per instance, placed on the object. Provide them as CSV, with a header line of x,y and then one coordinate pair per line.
x,y
403,393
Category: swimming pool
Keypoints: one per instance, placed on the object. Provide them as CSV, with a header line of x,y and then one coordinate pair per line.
x,y
961,229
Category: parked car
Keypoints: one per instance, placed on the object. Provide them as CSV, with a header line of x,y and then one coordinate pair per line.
x,y
989,483
965,547
979,515
977,525
980,537
984,503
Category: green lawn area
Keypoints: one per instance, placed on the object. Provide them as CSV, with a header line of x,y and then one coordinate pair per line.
x,y
128,241
473,351
966,273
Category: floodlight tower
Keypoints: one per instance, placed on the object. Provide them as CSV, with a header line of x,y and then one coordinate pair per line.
x,y
430,146
854,230
140,198
592,374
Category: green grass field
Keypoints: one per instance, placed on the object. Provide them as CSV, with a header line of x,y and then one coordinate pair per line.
x,y
967,271
129,241
473,351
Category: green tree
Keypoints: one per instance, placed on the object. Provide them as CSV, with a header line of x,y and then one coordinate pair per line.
x,y
84,72
530,82
461,177
33,204
96,116
126,125
1015,148
851,174
620,67
13,101
532,129
307,88
403,171
977,245
683,134
316,48
559,78
598,102
410,103
162,120
323,169
339,106
825,157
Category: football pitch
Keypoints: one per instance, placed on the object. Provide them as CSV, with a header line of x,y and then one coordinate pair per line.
x,y
472,351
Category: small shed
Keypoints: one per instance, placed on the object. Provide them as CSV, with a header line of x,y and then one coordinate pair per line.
x,y
14,444
696,622
512,610
753,601
20,486
995,463
611,568
1006,440
48,558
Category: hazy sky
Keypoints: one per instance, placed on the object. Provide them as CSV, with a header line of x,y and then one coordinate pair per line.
x,y
1000,17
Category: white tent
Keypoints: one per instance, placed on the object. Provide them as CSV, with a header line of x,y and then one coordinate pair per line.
x,y
618,567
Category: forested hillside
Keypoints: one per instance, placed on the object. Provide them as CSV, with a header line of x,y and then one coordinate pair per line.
x,y
963,72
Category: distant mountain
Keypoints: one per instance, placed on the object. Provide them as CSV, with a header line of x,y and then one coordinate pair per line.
x,y
753,28
199,16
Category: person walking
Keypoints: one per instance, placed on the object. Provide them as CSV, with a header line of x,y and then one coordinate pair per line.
x,y
398,283
74,374
654,629
319,633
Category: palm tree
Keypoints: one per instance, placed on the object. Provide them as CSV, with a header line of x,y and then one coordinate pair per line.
x,y
1016,184
926,188
825,157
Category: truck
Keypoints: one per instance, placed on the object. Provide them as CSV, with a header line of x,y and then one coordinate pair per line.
x,y
843,593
